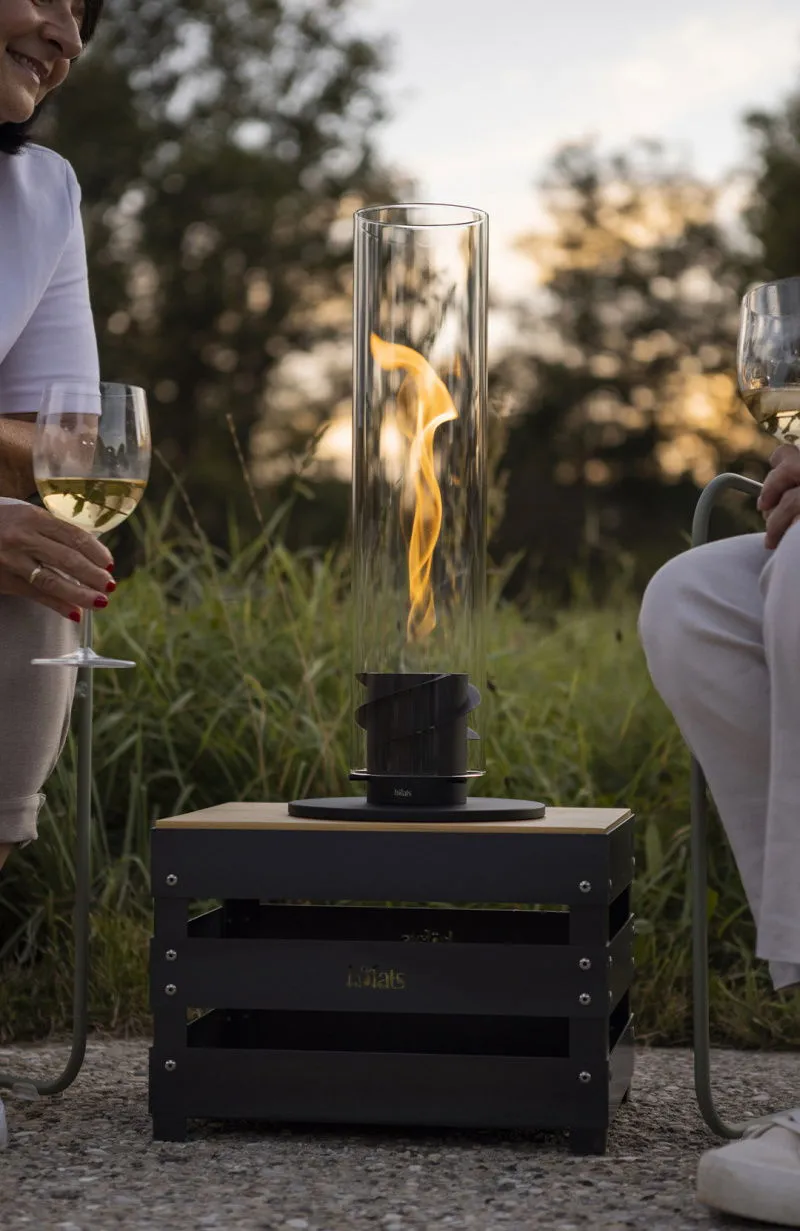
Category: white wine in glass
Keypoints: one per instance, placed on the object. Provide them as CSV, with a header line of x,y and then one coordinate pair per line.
x,y
96,505
91,463
768,357
777,411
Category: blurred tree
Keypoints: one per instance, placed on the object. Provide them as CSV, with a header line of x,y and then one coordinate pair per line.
x,y
774,214
626,400
222,149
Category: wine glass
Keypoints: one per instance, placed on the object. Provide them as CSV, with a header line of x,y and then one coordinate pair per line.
x,y
768,357
91,463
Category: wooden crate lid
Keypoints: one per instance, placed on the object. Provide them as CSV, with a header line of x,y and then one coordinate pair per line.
x,y
276,816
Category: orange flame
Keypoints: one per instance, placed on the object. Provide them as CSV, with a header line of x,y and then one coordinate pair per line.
x,y
425,404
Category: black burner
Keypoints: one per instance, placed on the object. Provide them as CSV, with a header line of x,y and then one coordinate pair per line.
x,y
417,737
417,755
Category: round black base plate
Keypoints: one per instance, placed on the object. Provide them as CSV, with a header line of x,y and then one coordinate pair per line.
x,y
473,810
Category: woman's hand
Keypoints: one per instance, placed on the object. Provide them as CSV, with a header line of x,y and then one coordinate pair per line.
x,y
780,496
33,544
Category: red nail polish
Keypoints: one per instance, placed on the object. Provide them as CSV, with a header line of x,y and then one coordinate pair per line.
x,y
75,616
101,601
110,567
111,587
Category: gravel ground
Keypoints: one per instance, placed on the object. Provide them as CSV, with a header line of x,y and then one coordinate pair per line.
x,y
86,1161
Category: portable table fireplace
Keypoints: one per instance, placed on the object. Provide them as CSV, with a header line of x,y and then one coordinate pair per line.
x,y
462,1015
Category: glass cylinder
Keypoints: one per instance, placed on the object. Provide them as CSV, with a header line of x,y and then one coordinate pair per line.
x,y
419,501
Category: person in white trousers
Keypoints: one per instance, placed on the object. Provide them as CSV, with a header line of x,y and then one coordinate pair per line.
x,y
720,627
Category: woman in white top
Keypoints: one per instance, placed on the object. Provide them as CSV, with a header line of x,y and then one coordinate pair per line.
x,y
46,335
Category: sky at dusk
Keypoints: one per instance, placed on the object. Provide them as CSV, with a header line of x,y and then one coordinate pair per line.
x,y
484,92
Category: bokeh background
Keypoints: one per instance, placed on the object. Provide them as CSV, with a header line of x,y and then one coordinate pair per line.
x,y
640,164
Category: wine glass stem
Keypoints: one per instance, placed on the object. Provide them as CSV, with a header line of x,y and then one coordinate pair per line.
x,y
86,631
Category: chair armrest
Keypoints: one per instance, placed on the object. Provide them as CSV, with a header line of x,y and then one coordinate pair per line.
x,y
708,498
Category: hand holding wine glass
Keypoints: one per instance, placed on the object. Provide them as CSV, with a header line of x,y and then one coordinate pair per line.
x,y
69,569
91,463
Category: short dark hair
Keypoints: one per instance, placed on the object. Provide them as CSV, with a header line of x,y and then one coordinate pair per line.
x,y
13,137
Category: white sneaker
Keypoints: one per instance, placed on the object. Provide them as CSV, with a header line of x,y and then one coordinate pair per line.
x,y
3,1127
757,1177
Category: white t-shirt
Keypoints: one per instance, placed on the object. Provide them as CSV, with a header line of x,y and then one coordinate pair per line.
x,y
46,328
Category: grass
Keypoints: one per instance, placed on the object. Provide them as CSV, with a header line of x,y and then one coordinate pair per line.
x,y
240,694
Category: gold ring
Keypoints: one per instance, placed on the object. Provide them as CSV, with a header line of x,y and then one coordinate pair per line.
x,y
34,574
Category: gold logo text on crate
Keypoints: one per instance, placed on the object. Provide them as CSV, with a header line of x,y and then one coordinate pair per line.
x,y
372,978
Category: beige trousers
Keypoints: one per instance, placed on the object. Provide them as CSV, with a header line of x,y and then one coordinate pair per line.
x,y
720,626
35,704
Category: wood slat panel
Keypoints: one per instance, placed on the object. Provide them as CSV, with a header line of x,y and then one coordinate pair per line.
x,y
276,816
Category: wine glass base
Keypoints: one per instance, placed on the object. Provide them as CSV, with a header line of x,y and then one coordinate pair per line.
x,y
82,658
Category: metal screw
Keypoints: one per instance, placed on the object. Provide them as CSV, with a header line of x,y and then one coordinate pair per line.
x,y
172,879
171,955
585,886
584,998
170,989
170,1066
585,963
81,691
585,1077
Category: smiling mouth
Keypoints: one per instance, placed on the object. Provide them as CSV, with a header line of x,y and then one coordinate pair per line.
x,y
36,69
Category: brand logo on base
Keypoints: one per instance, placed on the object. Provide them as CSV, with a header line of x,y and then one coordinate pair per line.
x,y
372,978
401,792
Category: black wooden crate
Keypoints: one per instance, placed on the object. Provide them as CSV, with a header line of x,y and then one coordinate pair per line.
x,y
389,1015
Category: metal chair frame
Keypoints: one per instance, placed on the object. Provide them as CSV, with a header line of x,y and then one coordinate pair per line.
x,y
699,861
